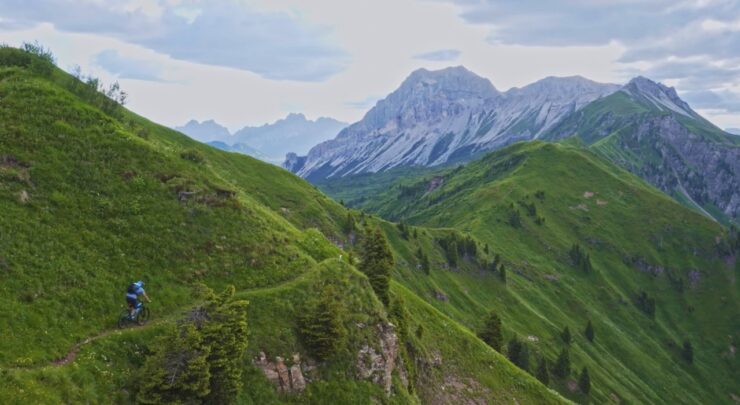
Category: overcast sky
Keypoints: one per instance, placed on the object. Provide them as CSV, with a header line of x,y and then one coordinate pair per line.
x,y
253,61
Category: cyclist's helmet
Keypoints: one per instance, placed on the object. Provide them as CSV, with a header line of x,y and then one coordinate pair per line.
x,y
139,283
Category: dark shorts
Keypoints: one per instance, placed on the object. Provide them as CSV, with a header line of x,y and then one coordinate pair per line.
x,y
132,302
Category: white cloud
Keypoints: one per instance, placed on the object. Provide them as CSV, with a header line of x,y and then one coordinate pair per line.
x,y
442,55
347,54
274,44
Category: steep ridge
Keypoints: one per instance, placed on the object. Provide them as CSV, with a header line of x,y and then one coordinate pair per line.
x,y
437,117
94,196
647,129
532,203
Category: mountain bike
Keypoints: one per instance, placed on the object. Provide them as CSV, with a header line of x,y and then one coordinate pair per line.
x,y
140,316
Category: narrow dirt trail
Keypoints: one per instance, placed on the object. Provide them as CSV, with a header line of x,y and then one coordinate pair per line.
x,y
72,353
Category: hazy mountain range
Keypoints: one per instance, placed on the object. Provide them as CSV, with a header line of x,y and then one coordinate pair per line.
x,y
450,115
269,142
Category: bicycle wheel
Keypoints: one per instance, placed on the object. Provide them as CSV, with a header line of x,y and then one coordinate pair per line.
x,y
143,316
123,319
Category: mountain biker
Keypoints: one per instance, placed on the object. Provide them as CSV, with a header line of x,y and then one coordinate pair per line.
x,y
132,296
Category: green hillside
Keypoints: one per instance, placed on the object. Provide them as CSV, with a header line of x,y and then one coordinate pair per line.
x,y
686,156
94,197
659,274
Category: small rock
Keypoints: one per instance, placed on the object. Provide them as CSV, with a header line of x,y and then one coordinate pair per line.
x,y
440,295
23,197
297,382
283,374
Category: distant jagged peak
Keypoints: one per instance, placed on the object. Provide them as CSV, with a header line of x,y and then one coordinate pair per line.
x,y
660,95
209,122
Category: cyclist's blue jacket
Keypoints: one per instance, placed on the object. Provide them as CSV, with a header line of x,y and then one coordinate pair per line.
x,y
135,295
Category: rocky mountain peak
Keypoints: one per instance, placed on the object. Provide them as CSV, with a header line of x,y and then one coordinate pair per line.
x,y
564,87
658,94
455,80
299,117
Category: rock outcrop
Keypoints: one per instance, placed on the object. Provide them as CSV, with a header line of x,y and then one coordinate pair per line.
x,y
377,361
285,379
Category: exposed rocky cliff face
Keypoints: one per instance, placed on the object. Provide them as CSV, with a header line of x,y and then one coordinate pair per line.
x,y
286,379
440,116
377,360
706,172
647,129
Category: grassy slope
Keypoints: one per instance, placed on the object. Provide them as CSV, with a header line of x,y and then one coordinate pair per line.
x,y
606,123
90,202
624,218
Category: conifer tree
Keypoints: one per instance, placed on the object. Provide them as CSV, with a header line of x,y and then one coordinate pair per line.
x,y
589,331
562,365
425,266
202,357
584,381
350,223
377,262
518,353
566,336
400,317
492,332
542,372
321,326
225,334
688,351
453,256
178,368
502,273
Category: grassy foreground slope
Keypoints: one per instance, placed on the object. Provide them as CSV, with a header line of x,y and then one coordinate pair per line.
x,y
94,197
531,203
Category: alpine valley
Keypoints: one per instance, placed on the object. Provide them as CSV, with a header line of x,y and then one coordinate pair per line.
x,y
566,242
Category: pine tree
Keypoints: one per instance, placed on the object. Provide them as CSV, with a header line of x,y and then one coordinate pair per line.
x,y
377,262
178,369
226,335
350,223
399,315
566,336
589,332
453,256
542,372
321,327
518,353
502,273
425,266
584,381
562,365
423,260
202,357
492,332
688,352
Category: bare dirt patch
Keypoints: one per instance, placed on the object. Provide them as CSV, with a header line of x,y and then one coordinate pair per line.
x,y
588,194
